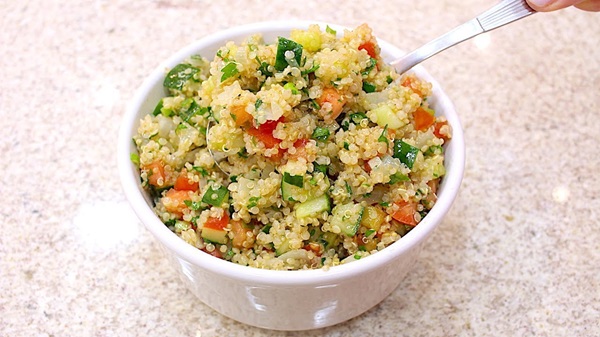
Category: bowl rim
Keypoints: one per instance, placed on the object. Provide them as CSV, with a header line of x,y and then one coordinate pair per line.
x,y
134,193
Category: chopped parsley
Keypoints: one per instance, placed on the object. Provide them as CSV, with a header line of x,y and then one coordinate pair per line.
x,y
321,133
293,180
229,70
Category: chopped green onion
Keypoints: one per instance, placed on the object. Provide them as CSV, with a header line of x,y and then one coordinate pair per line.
x,y
321,133
283,46
180,74
215,197
315,105
405,152
293,180
229,70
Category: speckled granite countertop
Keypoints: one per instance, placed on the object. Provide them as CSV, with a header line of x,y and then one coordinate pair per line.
x,y
518,255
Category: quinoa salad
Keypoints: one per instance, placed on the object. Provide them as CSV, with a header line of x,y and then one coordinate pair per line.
x,y
319,153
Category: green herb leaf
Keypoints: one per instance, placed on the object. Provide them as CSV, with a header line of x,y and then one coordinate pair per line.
x,y
200,170
264,68
283,46
193,205
258,103
372,63
320,168
180,74
293,180
321,133
346,145
189,109
357,117
348,188
384,204
369,232
330,30
216,197
266,229
229,70
233,179
310,70
291,87
253,201
398,177
158,108
382,138
368,87
389,79
405,152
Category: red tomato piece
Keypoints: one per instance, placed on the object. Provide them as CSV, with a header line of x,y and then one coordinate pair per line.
x,y
217,223
406,213
184,184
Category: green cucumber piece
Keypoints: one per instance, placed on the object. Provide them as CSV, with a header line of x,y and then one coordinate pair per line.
x,y
214,235
313,206
347,217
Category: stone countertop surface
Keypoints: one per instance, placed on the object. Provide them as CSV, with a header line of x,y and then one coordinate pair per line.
x,y
518,254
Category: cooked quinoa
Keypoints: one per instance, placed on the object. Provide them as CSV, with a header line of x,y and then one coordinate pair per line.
x,y
324,153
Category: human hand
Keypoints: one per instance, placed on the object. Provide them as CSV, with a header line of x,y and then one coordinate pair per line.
x,y
552,5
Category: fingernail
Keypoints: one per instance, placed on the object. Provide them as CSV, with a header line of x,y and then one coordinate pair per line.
x,y
541,3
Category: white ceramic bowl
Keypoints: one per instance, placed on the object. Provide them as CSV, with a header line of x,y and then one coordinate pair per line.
x,y
284,300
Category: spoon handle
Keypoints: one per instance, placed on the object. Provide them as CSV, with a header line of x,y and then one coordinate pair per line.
x,y
505,12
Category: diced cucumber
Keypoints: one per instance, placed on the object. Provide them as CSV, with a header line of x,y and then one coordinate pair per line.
x,y
214,235
283,248
347,217
386,116
313,206
292,187
330,239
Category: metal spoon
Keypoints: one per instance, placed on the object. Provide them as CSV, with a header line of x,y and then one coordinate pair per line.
x,y
503,13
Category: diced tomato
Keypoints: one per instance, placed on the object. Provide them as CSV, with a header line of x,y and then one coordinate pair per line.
x,y
215,252
174,201
156,173
423,119
264,133
406,213
314,247
184,184
217,223
333,97
436,130
300,146
367,167
239,114
369,47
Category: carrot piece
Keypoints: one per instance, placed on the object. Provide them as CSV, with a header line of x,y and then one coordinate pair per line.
x,y
239,114
406,213
423,119
436,130
156,173
333,97
174,201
